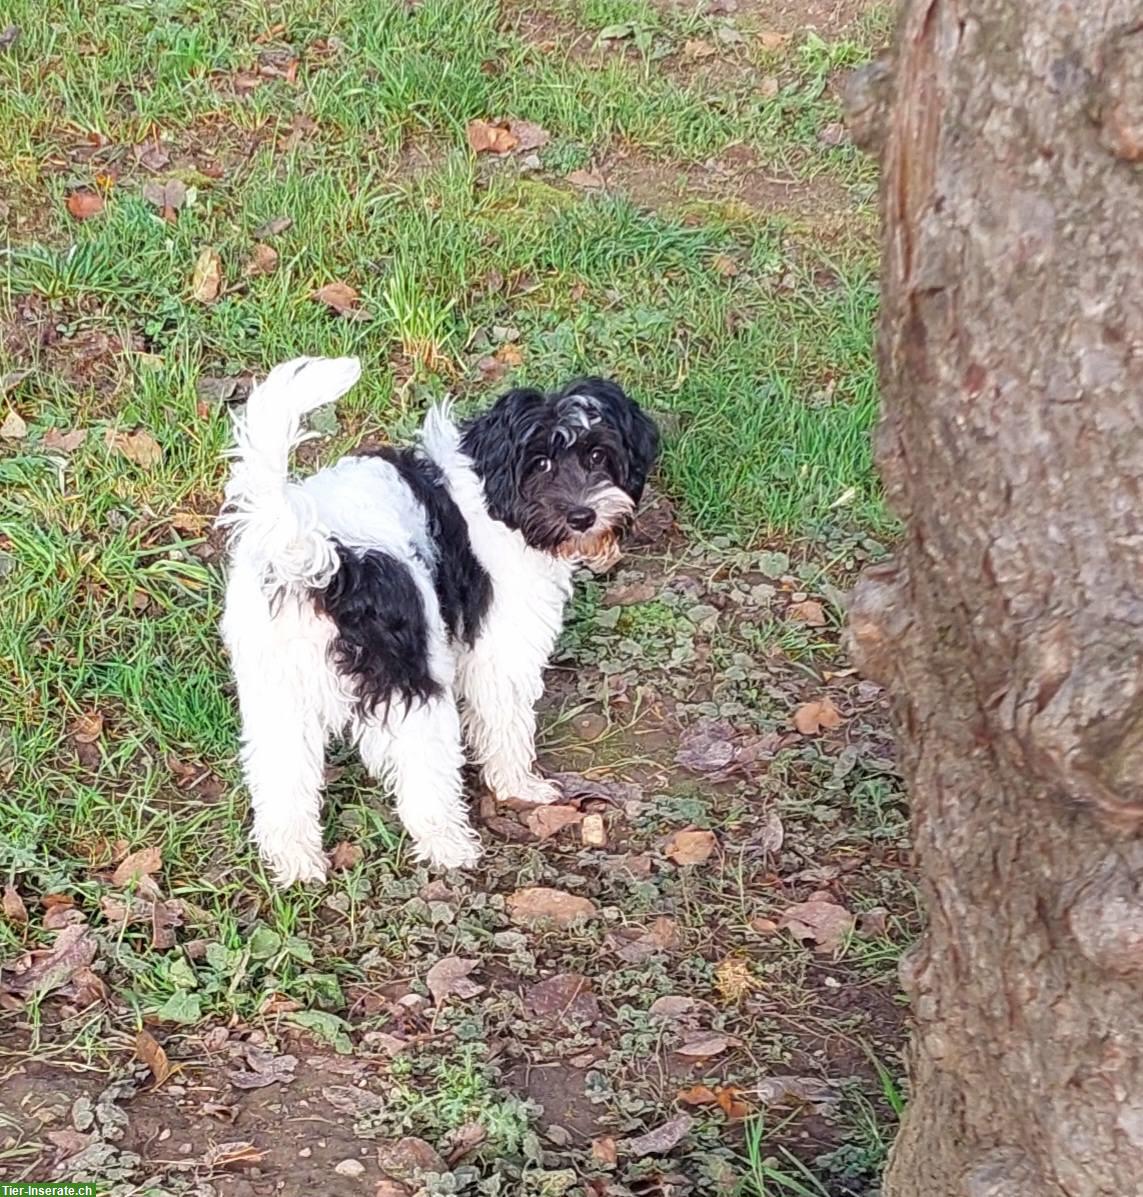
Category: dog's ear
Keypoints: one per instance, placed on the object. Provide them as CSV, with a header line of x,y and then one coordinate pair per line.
x,y
495,442
635,428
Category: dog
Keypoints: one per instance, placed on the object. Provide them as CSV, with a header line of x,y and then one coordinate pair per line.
x,y
409,599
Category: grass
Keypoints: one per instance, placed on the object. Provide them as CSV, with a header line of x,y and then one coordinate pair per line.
x,y
745,326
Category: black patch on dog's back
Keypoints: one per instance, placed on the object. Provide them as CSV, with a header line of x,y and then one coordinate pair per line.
x,y
464,589
382,634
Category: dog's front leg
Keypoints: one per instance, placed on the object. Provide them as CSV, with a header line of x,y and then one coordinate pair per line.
x,y
501,680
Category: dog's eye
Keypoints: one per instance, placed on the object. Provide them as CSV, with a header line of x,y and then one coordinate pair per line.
x,y
597,458
541,465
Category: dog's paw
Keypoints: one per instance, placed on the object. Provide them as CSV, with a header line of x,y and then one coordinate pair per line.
x,y
533,789
456,848
294,865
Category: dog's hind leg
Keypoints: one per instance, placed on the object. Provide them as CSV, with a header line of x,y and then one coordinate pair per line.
x,y
416,751
289,705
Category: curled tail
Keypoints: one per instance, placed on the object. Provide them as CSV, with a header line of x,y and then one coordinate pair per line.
x,y
274,522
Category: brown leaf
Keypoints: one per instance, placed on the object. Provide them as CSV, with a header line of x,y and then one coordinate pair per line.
x,y
463,1142
265,1069
660,1140
734,978
148,1050
795,1090
605,1151
812,717
408,1157
697,1095
168,197
704,1046
810,612
142,863
342,299
273,228
764,926
725,265
698,49
488,137
690,846
87,728
345,856
589,180
263,260
206,283
528,136
64,442
773,833
152,156
546,821
874,922
449,977
491,369
824,924
14,427
536,905
510,354
769,87
387,1187
731,1103
593,831
165,917
69,1142
628,596
13,905
566,995
770,39
220,1155
84,204
58,917
674,1005
139,447
73,950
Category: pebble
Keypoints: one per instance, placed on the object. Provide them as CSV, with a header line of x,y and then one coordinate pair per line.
x,y
593,831
350,1168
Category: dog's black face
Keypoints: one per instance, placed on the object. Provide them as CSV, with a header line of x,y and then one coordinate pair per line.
x,y
566,469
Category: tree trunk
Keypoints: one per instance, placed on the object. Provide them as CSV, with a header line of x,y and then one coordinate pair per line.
x,y
1010,629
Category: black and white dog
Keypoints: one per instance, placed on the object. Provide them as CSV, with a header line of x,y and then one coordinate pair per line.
x,y
410,598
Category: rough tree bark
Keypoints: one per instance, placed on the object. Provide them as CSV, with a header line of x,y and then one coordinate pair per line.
x,y
1010,628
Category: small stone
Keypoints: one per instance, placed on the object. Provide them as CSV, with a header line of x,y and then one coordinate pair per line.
x,y
350,1168
593,831
832,983
305,1153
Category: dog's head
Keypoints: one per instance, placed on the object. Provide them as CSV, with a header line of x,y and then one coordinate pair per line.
x,y
566,469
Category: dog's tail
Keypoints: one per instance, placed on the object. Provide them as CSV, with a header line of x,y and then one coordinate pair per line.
x,y
273,518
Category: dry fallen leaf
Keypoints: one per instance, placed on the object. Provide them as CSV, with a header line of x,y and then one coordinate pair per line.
x,y
697,1095
220,1155
491,137
698,49
589,180
509,354
64,442
704,1046
14,427
529,136
735,978
593,831
449,977
342,299
139,447
263,260
690,846
566,995
674,1005
813,717
142,863
408,1157
272,228
810,612
84,204
58,917
772,40
546,821
795,1090
660,1140
165,917
536,905
345,856
13,905
605,1152
206,283
824,924
168,197
73,950
87,728
773,833
148,1050
265,1069
725,265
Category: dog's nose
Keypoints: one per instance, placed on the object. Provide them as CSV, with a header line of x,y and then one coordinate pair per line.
x,y
581,518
